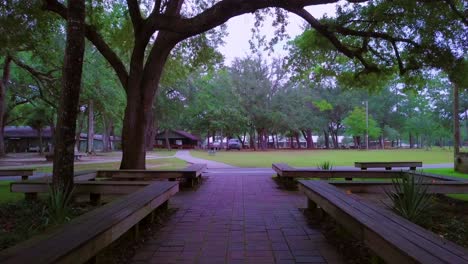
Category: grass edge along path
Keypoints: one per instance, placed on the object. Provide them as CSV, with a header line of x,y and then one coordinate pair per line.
x,y
312,158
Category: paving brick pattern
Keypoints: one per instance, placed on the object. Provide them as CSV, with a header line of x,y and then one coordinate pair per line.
x,y
237,218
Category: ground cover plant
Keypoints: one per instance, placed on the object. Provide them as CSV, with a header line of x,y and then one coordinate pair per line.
x,y
22,219
310,158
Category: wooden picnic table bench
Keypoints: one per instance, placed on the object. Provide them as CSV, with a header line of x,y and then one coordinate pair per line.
x,y
388,165
81,239
94,188
285,171
24,173
191,173
393,238
440,187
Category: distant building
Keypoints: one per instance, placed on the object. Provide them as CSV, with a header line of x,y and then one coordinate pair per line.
x,y
26,139
98,144
178,139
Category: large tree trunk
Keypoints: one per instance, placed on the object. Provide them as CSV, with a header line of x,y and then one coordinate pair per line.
x,y
143,84
69,98
150,132
90,148
3,86
166,137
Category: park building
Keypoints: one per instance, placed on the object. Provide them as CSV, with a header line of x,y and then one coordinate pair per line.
x,y
27,139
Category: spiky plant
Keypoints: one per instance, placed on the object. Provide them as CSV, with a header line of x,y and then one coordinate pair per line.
x,y
58,204
326,165
410,198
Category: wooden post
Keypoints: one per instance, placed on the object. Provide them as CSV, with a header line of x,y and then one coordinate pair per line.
x,y
30,196
136,231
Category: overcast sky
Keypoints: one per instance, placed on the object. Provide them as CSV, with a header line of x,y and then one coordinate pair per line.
x,y
237,42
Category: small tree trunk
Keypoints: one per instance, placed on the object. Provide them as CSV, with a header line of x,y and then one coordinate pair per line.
x,y
456,120
3,86
166,137
411,143
326,139
90,148
68,109
297,140
39,133
78,132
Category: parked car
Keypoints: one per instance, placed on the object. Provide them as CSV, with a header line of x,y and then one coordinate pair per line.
x,y
234,144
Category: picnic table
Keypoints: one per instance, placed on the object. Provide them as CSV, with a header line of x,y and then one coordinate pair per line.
x,y
388,165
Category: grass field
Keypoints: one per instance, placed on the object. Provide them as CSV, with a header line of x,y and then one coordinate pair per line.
x,y
451,172
311,158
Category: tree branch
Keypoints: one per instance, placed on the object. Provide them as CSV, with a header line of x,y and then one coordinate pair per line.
x,y
333,39
135,14
93,36
40,75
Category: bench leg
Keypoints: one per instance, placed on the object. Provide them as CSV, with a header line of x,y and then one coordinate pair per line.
x,y
136,231
317,212
412,168
30,196
388,168
348,179
24,177
95,198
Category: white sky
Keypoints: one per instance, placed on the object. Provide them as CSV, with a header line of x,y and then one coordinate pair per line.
x,y
237,42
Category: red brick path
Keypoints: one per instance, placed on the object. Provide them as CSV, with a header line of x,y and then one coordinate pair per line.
x,y
237,218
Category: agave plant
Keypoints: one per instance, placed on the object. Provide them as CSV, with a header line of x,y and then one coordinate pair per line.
x,y
410,198
58,204
326,165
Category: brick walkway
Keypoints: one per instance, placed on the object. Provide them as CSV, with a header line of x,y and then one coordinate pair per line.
x,y
237,218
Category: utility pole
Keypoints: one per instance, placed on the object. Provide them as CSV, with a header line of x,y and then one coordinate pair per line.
x,y
367,125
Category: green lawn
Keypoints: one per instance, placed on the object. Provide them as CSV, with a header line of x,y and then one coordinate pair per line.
x,y
451,172
6,195
311,158
447,172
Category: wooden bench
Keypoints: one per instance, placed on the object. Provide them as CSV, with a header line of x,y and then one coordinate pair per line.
x,y
388,165
393,238
84,237
94,188
289,173
442,187
24,173
191,173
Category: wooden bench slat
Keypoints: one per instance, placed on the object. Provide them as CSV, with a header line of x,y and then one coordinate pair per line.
x,y
445,187
102,187
70,244
385,217
381,217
